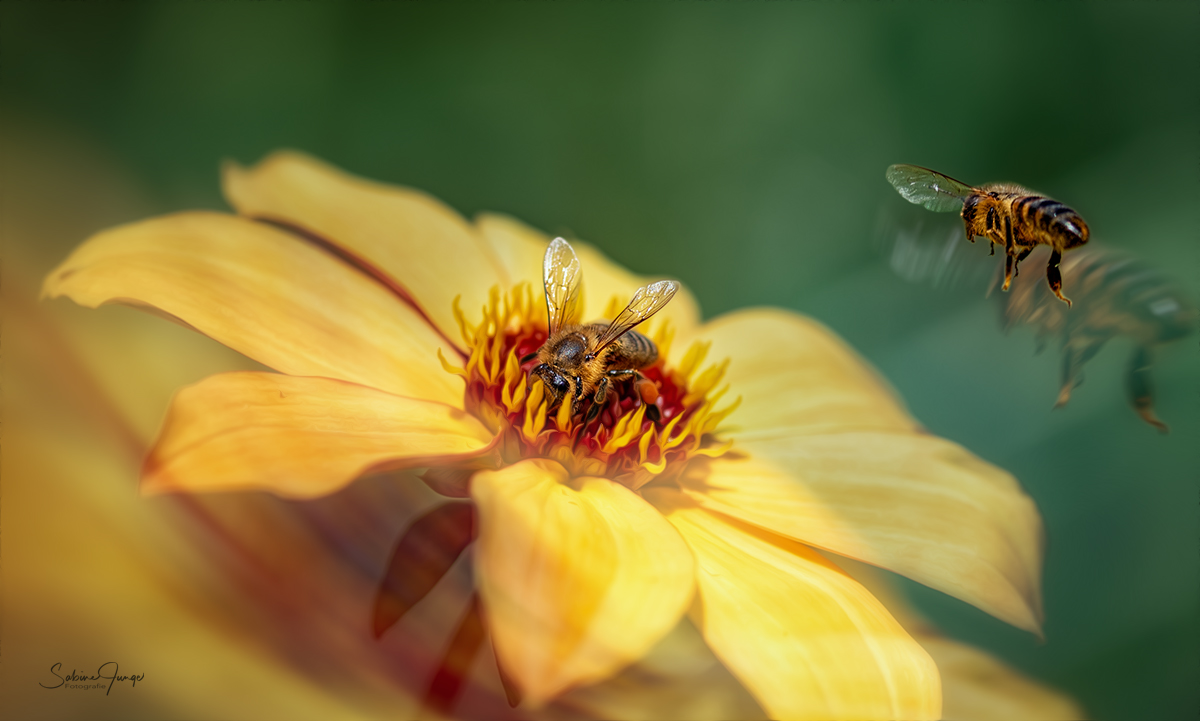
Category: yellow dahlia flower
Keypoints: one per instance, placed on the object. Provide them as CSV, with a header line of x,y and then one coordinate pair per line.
x,y
398,329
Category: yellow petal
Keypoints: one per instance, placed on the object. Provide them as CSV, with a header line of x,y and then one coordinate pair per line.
x,y
580,577
975,685
298,437
263,293
520,249
97,571
914,504
414,238
796,377
806,639
680,678
978,687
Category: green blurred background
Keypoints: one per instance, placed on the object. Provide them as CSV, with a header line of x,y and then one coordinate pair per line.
x,y
741,148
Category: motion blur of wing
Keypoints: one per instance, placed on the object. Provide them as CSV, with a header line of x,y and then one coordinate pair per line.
x,y
932,249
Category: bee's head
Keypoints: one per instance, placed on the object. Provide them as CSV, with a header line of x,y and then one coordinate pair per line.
x,y
969,207
557,385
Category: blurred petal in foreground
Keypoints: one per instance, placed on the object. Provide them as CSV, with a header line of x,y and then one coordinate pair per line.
x,y
579,579
298,436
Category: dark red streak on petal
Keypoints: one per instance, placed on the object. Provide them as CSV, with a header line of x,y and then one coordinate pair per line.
x,y
456,664
362,265
511,692
422,556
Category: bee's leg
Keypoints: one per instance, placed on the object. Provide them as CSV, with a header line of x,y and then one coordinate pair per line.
x,y
649,394
598,399
1008,250
601,393
1069,370
1140,390
645,389
1054,277
995,237
528,357
1074,357
1017,263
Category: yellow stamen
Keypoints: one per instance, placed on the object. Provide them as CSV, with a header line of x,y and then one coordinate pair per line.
x,y
673,443
513,391
692,358
464,328
706,382
446,366
662,337
535,412
626,428
562,419
644,444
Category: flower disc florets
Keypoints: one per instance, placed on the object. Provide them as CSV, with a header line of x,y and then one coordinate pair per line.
x,y
621,442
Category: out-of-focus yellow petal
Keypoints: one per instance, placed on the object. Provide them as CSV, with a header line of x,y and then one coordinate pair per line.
x,y
416,239
94,573
914,504
579,578
263,293
796,377
680,678
806,639
520,250
975,685
298,437
978,687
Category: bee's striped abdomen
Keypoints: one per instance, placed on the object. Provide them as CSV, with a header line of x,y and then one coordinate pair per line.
x,y
633,351
639,349
1059,224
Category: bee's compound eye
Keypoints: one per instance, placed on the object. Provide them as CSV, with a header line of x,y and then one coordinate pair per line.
x,y
560,384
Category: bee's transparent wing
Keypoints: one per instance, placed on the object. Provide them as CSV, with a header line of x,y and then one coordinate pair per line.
x,y
928,188
646,302
561,277
932,250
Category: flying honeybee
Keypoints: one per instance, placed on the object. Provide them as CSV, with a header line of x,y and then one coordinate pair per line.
x,y
1118,296
580,361
1004,213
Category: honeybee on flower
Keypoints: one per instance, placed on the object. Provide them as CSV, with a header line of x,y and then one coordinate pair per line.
x,y
584,361
397,330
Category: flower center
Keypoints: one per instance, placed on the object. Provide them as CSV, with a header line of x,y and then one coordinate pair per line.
x,y
622,442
